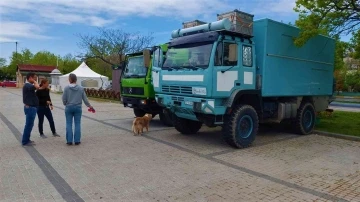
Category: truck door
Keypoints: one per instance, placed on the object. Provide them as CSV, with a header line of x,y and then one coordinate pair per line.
x,y
233,67
155,70
226,68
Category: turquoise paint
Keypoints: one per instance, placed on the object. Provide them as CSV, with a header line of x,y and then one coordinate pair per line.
x,y
223,24
283,69
170,101
290,71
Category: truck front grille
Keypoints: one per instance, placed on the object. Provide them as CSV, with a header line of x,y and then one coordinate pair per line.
x,y
133,90
174,98
177,89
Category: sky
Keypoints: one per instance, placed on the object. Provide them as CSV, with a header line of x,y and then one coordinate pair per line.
x,y
53,25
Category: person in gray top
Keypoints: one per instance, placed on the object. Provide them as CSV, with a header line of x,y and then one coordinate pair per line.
x,y
72,98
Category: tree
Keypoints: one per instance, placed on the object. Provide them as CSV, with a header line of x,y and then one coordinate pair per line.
x,y
355,45
100,67
68,63
328,17
340,80
44,58
110,45
2,62
340,52
352,80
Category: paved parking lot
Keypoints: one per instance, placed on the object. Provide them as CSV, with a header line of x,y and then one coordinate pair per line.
x,y
113,165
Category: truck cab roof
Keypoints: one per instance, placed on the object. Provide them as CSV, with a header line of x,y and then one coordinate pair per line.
x,y
206,37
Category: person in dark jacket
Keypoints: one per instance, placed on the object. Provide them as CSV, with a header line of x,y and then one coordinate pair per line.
x,y
45,107
72,98
31,102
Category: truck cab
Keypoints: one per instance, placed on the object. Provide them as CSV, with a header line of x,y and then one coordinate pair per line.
x,y
215,76
137,91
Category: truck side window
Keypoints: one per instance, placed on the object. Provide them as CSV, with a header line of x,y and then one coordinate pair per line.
x,y
226,54
230,54
247,56
156,60
219,54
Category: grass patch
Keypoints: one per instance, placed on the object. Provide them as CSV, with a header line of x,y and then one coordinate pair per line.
x,y
353,96
346,123
350,102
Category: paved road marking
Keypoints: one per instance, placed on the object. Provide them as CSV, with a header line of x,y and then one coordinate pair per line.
x,y
242,169
251,172
64,189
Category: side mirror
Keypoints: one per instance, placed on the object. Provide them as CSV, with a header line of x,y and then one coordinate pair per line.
x,y
146,54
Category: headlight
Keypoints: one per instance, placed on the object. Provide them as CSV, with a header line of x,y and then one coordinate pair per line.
x,y
198,91
189,103
143,102
197,106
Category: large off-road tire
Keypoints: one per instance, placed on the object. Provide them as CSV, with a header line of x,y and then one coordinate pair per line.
x,y
305,119
139,112
186,126
166,118
241,126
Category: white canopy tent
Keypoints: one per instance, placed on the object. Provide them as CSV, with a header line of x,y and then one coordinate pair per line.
x,y
86,78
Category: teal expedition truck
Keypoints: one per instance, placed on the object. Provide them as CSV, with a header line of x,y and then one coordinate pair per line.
x,y
237,78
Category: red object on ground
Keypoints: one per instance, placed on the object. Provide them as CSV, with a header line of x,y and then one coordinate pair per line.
x,y
91,110
8,84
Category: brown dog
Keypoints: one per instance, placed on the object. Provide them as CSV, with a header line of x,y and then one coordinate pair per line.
x,y
140,123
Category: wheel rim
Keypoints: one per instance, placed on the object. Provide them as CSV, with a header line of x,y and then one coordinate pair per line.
x,y
307,119
245,126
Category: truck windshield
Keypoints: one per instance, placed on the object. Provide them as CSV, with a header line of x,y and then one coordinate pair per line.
x,y
188,56
135,67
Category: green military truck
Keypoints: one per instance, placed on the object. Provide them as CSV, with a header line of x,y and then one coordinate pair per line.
x,y
137,91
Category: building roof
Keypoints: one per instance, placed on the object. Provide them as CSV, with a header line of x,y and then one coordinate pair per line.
x,y
36,68
55,71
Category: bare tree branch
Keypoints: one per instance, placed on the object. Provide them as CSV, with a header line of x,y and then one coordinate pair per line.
x,y
109,45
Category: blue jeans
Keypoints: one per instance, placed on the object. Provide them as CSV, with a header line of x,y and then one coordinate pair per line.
x,y
45,111
73,113
30,114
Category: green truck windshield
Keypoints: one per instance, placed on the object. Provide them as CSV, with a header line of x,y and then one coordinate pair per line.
x,y
135,68
186,56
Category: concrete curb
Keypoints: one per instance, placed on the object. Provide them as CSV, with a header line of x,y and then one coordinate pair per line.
x,y
339,136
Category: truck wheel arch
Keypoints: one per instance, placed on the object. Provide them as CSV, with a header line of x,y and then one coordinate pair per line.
x,y
249,97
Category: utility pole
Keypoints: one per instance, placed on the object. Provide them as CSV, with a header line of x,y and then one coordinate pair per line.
x,y
16,45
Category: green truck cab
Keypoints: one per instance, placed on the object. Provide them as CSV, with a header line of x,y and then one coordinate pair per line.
x,y
137,91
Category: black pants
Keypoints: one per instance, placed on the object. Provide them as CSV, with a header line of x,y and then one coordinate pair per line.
x,y
45,111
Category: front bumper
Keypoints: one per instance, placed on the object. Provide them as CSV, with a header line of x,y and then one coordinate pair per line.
x,y
189,105
148,105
